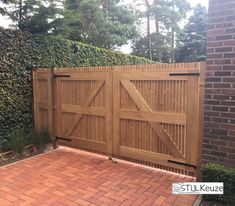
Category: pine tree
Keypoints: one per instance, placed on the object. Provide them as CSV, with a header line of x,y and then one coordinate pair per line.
x,y
167,15
192,42
102,23
159,45
177,10
3,9
34,16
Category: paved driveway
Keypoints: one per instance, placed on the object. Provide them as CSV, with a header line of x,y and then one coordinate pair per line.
x,y
71,177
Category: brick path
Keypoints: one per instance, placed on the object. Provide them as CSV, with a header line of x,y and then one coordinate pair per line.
x,y
71,177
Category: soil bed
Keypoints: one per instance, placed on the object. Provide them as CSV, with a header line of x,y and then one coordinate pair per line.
x,y
10,157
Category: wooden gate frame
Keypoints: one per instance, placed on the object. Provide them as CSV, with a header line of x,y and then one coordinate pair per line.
x,y
113,74
123,76
102,79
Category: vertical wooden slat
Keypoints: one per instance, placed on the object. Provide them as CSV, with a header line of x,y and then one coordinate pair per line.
x,y
109,113
192,119
59,123
116,114
42,100
35,99
52,96
50,102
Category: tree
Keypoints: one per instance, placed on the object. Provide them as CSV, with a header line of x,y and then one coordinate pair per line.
x,y
151,44
3,10
102,23
167,15
148,16
35,16
192,42
161,13
160,47
177,10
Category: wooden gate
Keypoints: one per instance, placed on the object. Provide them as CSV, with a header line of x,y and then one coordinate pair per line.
x,y
147,113
84,109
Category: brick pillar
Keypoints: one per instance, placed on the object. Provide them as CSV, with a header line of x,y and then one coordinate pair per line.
x,y
219,124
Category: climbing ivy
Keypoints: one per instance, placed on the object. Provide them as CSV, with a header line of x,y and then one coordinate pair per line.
x,y
21,52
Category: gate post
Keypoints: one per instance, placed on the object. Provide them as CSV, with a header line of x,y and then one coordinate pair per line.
x,y
52,122
202,66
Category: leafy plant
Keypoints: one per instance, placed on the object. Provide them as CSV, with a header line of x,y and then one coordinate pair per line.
x,y
20,52
3,145
219,173
39,139
17,140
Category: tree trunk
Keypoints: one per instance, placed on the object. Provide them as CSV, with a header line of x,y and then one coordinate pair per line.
x,y
158,34
173,46
173,38
149,37
148,29
20,9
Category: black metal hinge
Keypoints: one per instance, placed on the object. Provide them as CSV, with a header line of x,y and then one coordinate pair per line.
x,y
184,74
57,75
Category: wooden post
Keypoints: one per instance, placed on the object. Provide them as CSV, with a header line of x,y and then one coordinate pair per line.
x,y
53,125
200,118
34,108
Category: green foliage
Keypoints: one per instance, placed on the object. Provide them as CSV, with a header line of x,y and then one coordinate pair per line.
x,y
3,6
20,53
3,145
219,173
102,23
34,16
159,44
40,18
167,15
39,139
17,140
192,41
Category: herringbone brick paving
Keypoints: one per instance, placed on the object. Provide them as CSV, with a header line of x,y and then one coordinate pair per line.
x,y
67,177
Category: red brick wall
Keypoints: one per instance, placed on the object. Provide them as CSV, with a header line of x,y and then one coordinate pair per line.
x,y
219,124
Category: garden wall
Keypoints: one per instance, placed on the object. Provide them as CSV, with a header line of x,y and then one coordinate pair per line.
x,y
20,53
219,124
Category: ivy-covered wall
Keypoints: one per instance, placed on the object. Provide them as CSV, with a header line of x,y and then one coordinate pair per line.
x,y
19,53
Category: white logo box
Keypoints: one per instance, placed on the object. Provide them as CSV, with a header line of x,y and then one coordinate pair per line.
x,y
211,188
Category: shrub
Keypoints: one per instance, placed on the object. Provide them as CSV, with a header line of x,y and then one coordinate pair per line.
x,y
39,139
218,173
4,146
17,140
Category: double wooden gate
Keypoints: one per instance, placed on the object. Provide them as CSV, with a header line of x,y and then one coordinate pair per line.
x,y
147,113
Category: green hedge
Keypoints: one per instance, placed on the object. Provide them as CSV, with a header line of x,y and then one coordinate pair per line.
x,y
219,173
20,53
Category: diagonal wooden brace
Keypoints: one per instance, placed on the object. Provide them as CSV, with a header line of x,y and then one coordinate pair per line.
x,y
158,129
86,103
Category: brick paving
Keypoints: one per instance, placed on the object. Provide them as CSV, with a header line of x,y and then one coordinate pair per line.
x,y
67,177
